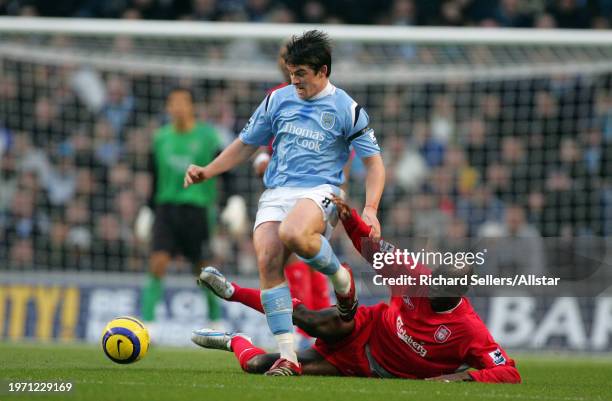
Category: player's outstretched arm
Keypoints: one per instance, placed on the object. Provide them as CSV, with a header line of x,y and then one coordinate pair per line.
x,y
504,371
360,234
375,183
236,153
453,377
354,226
491,361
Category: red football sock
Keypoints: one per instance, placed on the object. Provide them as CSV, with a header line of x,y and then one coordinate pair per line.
x,y
251,297
244,351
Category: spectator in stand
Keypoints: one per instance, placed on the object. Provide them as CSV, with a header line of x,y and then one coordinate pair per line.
x,y
490,108
204,10
109,252
406,167
430,148
429,220
478,207
8,180
442,120
465,176
24,227
545,21
570,14
313,12
46,124
519,248
523,175
510,15
61,181
403,12
119,106
257,9
480,145
79,219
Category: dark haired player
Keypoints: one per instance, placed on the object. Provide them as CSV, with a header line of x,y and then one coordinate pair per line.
x,y
427,333
304,282
313,123
176,145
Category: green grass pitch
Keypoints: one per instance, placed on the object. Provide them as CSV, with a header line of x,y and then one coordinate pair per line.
x,y
196,374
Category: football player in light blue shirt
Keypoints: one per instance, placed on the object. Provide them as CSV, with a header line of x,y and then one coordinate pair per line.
x,y
312,124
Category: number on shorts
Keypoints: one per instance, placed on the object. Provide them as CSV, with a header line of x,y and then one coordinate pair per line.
x,y
326,202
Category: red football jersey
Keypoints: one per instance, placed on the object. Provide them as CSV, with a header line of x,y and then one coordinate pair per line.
x,y
413,341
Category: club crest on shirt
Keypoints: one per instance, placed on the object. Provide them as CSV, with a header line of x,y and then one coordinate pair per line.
x,y
442,334
497,357
327,120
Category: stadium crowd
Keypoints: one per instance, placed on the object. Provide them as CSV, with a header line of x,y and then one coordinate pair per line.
x,y
504,13
528,158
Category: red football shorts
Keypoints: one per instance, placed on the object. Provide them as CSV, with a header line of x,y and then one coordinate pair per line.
x,y
348,355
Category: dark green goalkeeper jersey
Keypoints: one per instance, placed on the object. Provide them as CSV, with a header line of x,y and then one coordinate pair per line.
x,y
173,152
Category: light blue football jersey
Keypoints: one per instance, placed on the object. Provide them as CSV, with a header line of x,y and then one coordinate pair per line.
x,y
312,138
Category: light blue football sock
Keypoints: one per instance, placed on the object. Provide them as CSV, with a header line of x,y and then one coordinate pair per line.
x,y
325,261
278,308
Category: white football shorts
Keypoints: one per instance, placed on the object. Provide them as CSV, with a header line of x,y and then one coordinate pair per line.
x,y
276,203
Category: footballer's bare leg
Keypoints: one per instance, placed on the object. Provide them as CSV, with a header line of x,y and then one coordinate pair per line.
x,y
312,363
302,228
275,296
324,324
301,232
271,254
255,360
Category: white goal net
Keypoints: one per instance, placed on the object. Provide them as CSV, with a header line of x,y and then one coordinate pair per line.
x,y
485,132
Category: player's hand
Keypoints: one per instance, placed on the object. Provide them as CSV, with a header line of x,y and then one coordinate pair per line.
x,y
369,217
194,175
344,210
454,377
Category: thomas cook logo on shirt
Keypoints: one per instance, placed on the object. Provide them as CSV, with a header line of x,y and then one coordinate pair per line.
x,y
442,334
497,357
327,120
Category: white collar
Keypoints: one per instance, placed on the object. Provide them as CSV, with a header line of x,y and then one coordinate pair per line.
x,y
328,90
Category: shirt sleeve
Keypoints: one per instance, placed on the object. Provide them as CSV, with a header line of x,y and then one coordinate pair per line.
x,y
359,232
258,130
492,362
361,136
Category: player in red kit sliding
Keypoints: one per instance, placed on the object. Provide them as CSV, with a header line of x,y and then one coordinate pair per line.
x,y
426,333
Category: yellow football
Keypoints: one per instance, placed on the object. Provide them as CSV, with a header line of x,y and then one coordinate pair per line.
x,y
125,340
